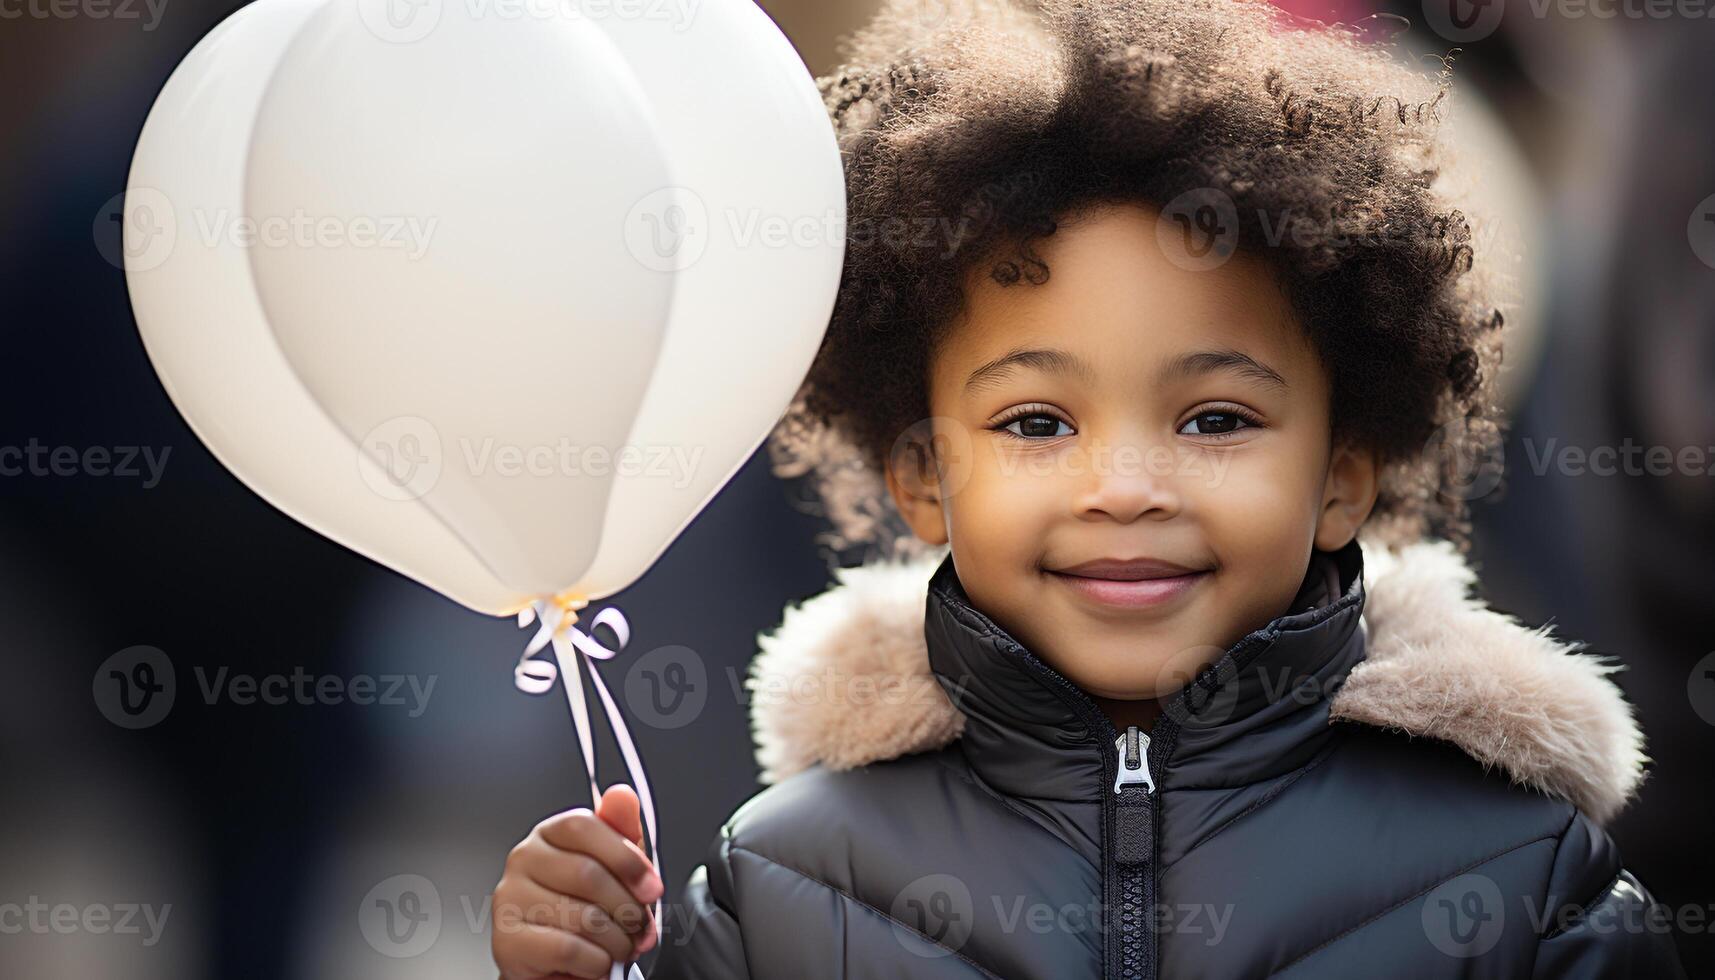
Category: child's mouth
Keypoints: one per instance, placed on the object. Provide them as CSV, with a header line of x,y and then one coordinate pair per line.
x,y
1130,585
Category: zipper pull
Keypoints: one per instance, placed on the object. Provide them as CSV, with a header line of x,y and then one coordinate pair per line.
x,y
1134,761
1134,812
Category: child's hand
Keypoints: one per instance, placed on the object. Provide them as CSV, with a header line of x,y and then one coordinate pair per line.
x,y
576,893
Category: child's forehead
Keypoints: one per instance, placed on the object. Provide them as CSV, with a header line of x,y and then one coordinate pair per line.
x,y
1117,303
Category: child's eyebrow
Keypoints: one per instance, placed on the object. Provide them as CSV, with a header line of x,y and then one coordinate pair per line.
x,y
1187,365
1049,360
1199,362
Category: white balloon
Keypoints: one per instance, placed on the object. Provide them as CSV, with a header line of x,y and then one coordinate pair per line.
x,y
755,232
502,327
497,297
196,308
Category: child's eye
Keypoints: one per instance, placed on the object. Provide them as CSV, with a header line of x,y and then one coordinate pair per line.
x,y
1034,425
1218,423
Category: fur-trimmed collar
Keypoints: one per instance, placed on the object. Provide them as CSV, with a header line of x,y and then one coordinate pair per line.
x,y
1439,664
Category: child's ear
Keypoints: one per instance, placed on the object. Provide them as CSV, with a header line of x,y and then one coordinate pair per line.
x,y
915,480
1349,495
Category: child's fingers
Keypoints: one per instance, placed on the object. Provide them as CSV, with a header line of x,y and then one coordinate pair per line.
x,y
620,809
581,877
539,951
582,832
531,903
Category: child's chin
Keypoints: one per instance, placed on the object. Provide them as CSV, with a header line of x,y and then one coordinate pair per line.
x,y
1132,680
1117,669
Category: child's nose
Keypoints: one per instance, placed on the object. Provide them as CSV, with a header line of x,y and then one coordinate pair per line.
x,y
1128,479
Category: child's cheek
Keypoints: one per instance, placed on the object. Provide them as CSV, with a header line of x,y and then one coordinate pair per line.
x,y
1007,506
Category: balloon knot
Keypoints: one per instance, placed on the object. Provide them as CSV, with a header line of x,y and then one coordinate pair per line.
x,y
569,603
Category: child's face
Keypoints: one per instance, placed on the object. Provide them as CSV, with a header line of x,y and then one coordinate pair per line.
x,y
1150,440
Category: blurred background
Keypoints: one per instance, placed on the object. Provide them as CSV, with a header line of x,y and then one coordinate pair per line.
x,y
222,836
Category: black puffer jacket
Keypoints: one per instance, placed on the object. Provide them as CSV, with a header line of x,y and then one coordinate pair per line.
x,y
1278,821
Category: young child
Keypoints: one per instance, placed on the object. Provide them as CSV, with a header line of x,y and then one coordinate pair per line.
x,y
1150,308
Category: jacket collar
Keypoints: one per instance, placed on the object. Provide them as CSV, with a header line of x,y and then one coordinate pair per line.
x,y
893,659
1029,732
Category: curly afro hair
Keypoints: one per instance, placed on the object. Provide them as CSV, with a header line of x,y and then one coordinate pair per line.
x,y
970,128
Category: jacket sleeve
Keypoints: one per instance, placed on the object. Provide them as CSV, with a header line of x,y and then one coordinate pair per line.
x,y
1600,922
701,939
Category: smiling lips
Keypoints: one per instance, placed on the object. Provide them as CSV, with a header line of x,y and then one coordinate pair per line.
x,y
1132,583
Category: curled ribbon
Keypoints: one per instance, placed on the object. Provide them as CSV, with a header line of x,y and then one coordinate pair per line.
x,y
537,677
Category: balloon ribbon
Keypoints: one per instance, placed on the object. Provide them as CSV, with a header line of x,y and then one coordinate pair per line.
x,y
538,676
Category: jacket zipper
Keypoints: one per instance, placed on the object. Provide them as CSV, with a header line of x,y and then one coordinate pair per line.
x,y
1128,820
1130,836
1131,858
